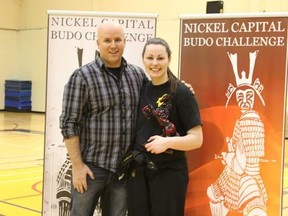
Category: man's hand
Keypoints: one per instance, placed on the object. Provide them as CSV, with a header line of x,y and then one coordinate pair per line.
x,y
79,174
79,169
188,86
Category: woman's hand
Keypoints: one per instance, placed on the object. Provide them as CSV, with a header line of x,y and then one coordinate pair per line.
x,y
156,144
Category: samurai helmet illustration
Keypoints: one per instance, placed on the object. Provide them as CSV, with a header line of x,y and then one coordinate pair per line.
x,y
244,80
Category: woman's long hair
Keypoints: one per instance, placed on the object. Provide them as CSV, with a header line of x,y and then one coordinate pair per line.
x,y
174,81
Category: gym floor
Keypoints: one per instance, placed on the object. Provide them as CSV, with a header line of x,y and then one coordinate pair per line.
x,y
21,164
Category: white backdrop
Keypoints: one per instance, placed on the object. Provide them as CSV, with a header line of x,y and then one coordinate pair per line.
x,y
72,43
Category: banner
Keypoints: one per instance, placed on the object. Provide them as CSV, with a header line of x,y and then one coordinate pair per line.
x,y
237,64
71,44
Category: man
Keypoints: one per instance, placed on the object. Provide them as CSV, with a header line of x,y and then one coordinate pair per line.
x,y
97,121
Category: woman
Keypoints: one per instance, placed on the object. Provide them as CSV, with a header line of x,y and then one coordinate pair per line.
x,y
168,124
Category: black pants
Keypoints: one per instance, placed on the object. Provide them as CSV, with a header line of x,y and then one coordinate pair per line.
x,y
159,192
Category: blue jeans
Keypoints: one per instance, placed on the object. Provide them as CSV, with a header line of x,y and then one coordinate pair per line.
x,y
113,194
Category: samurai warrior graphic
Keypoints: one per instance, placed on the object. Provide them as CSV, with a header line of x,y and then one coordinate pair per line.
x,y
239,188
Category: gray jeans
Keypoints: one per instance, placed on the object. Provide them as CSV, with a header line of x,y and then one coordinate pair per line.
x,y
105,186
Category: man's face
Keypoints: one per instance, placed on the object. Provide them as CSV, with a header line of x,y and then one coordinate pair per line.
x,y
111,44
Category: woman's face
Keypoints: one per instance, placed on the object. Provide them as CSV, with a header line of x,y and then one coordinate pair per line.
x,y
156,63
